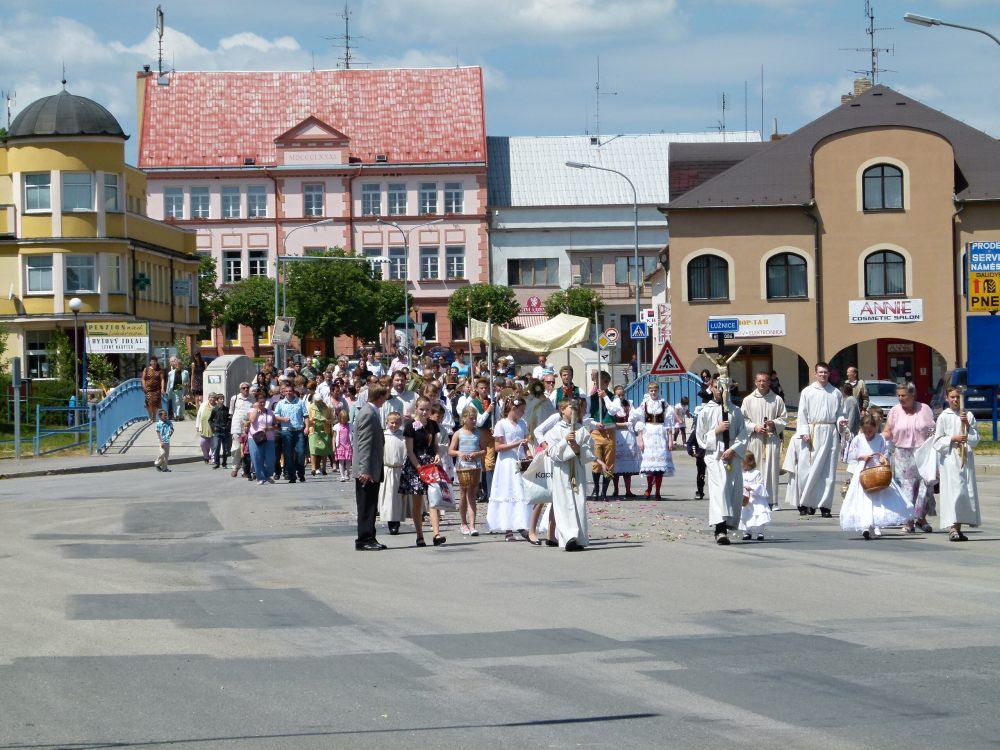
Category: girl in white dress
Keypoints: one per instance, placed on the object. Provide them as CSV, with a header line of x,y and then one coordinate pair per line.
x,y
628,458
390,502
507,511
959,496
756,512
654,427
869,512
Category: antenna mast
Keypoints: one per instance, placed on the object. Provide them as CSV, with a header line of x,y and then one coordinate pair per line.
x,y
873,50
10,99
348,57
159,34
597,95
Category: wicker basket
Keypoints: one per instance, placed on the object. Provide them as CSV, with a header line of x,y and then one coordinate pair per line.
x,y
468,477
877,477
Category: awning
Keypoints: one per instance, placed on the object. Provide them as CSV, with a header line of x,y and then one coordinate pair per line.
x,y
527,320
557,333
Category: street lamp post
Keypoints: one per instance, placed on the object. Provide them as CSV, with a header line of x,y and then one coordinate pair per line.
x,y
74,305
928,21
635,221
406,278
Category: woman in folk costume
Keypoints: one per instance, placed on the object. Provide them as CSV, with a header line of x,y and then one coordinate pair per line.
x,y
955,438
571,449
507,511
654,427
628,457
869,511
390,502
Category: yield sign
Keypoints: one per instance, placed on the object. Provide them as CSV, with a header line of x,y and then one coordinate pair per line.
x,y
667,363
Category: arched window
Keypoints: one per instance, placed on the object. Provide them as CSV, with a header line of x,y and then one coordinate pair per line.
x,y
786,277
885,274
883,187
708,278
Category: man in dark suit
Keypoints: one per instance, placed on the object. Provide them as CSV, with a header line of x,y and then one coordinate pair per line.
x,y
367,465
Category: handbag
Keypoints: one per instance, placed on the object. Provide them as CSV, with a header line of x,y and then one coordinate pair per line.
x,y
439,496
259,437
537,480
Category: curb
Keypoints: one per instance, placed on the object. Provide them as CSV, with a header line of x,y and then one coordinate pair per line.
x,y
94,468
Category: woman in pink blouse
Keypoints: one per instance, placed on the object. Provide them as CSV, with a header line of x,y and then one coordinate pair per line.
x,y
908,426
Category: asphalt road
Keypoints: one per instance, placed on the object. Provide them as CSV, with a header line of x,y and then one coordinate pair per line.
x,y
192,610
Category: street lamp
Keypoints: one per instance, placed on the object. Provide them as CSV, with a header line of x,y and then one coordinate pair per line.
x,y
74,305
406,280
277,272
635,217
928,21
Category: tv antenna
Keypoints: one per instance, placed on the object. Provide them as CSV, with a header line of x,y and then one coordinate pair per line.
x,y
10,100
347,59
159,35
721,125
872,49
597,96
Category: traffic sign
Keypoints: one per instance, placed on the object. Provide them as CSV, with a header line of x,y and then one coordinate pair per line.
x,y
611,334
638,330
723,325
984,276
603,342
605,357
667,363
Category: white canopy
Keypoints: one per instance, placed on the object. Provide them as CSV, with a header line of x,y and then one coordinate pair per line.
x,y
556,333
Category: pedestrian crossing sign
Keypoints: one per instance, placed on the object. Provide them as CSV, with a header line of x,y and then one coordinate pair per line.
x,y
667,363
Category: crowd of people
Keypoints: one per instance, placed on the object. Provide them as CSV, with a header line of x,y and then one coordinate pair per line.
x,y
442,437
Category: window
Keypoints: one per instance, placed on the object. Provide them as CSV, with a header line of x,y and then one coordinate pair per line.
x,y
885,274
111,192
625,268
113,264
199,203
454,262
231,202
36,343
430,326
371,200
428,198
378,268
39,273
396,198
77,191
312,199
232,266
80,273
173,203
591,271
232,333
883,187
257,263
453,198
533,272
257,201
37,192
397,263
708,278
428,262
786,277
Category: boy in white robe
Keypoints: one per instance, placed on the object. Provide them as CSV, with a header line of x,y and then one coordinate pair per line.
x,y
390,502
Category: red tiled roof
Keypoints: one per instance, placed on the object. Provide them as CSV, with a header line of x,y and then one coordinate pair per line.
x,y
204,119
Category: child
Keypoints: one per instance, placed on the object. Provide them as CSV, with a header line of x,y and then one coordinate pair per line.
x,y
245,451
756,506
164,429
440,415
220,431
343,452
467,452
390,502
865,511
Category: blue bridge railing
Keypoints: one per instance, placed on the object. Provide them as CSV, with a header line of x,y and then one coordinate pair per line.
x,y
80,427
125,405
672,388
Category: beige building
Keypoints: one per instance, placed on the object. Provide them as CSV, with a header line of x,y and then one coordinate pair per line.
x,y
843,241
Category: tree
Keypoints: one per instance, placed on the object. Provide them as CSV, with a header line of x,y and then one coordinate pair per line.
x,y
101,371
575,301
390,301
62,357
340,297
505,306
249,302
4,332
210,297
183,351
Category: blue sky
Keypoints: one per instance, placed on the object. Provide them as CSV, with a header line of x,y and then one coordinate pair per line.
x,y
664,63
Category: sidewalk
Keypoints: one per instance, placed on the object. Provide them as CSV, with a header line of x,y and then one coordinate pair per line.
x,y
136,448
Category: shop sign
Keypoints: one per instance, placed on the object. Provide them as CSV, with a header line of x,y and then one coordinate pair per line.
x,y
885,310
984,276
118,337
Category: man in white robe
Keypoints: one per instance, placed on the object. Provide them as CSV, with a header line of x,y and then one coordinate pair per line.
x,y
723,465
571,451
821,410
766,418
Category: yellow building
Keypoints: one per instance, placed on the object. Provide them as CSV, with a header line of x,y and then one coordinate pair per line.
x,y
73,224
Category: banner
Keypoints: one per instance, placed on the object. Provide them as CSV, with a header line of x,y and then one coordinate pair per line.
x,y
117,337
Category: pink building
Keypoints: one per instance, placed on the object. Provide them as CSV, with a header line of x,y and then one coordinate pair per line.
x,y
249,159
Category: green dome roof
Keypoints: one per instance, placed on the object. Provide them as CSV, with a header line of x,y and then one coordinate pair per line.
x,y
64,114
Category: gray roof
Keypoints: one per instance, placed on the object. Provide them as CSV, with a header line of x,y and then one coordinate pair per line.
x,y
532,171
780,174
64,114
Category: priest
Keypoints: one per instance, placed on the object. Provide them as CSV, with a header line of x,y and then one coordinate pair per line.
x,y
821,408
766,418
722,432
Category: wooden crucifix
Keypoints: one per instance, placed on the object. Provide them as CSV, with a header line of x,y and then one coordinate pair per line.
x,y
718,356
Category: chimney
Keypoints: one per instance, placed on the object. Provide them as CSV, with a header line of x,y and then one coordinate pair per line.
x,y
861,85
